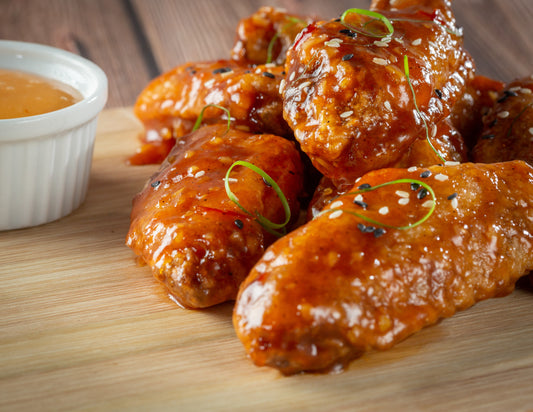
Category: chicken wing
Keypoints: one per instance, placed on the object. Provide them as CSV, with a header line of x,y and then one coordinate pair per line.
x,y
339,285
198,242
508,127
265,36
347,97
170,105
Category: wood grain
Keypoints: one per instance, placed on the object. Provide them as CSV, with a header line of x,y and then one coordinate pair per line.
x,y
84,328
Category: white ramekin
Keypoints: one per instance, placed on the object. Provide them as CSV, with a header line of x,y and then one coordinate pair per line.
x,y
45,160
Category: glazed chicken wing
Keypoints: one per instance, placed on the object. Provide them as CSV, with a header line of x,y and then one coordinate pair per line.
x,y
347,96
340,285
198,242
170,105
265,36
508,127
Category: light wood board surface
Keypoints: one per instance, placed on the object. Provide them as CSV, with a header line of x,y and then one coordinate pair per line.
x,y
82,327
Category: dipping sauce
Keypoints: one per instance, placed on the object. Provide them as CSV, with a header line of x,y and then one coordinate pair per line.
x,y
26,94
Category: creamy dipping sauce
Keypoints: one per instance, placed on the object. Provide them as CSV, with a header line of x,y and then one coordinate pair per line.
x,y
25,94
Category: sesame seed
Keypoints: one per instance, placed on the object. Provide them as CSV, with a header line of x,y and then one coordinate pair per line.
x,y
304,85
380,61
381,43
398,40
454,203
346,114
440,177
269,75
348,32
222,70
193,169
347,57
232,180
200,173
531,130
282,85
384,210
488,136
403,194
266,182
415,186
364,186
387,105
422,194
156,183
209,83
403,201
239,223
452,196
360,203
358,198
412,169
336,204
525,90
291,77
503,115
417,42
333,43
433,131
365,229
439,94
428,203
379,232
425,174
451,163
335,214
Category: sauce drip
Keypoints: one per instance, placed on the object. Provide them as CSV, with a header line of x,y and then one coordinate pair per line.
x,y
25,94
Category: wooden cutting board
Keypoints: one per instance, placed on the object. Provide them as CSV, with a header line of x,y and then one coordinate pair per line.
x,y
84,328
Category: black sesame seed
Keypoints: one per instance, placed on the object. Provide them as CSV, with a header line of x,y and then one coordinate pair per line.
x,y
361,227
283,73
269,75
487,136
337,20
347,57
360,203
415,186
379,232
348,32
156,183
422,194
452,196
369,229
222,70
239,223
438,92
425,174
266,182
493,123
247,71
506,95
364,186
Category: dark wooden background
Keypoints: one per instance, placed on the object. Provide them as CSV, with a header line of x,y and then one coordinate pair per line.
x,y
135,40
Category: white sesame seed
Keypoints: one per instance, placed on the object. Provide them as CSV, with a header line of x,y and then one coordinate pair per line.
x,y
412,169
384,210
417,42
450,163
200,173
428,203
208,84
440,177
346,114
515,89
166,103
304,85
387,105
380,61
433,131
336,204
398,40
335,214
403,201
402,193
232,180
282,86
525,90
188,153
454,203
291,77
359,198
333,43
270,65
503,115
381,43
531,130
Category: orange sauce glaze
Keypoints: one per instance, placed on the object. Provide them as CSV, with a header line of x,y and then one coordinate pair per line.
x,y
26,94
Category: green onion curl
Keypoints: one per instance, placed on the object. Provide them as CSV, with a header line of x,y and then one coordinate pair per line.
x,y
201,116
372,14
268,225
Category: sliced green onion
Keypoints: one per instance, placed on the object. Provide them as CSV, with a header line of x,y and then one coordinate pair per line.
x,y
406,69
201,116
268,225
393,182
368,13
292,21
